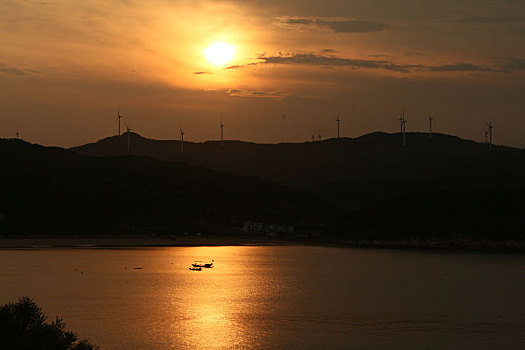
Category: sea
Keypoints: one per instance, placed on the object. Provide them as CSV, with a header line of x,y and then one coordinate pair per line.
x,y
275,297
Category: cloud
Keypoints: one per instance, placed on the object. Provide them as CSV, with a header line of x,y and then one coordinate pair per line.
x,y
235,66
259,94
512,63
199,73
488,20
378,55
10,70
336,24
331,61
327,61
459,67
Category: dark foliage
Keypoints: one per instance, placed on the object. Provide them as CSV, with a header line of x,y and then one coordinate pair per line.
x,y
23,326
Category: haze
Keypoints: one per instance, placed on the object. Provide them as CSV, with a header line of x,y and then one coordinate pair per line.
x,y
66,65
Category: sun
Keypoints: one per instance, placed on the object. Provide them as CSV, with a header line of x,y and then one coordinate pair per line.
x,y
219,53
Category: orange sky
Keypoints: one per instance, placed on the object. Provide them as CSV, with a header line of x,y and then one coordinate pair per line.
x,y
65,65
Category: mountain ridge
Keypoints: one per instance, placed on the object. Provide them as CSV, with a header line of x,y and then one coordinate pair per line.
x,y
368,192
53,190
372,157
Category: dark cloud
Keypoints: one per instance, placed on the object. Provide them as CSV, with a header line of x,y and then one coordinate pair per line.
x,y
259,94
378,55
235,66
328,51
198,73
488,20
33,70
330,61
459,67
336,24
513,63
353,26
323,60
11,70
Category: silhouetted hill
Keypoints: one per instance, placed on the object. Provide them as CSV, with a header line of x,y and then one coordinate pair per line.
x,y
52,190
373,164
369,187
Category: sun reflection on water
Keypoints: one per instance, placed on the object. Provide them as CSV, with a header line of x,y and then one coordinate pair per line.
x,y
212,302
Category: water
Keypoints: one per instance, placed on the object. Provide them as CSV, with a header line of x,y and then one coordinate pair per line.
x,y
276,297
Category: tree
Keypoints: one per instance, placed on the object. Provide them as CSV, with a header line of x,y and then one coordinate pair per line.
x,y
23,326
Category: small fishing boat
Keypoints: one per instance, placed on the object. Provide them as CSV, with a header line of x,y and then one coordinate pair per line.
x,y
199,263
195,268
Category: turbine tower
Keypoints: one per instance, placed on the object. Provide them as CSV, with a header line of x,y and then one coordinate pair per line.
x,y
430,118
313,137
490,126
338,123
222,131
17,134
128,129
402,122
118,117
319,136
404,130
181,140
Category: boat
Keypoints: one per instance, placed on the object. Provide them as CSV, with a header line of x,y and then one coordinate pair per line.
x,y
199,263
195,268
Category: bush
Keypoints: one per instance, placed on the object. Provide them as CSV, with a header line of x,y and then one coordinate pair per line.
x,y
23,326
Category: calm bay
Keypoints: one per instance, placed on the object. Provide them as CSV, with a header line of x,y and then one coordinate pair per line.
x,y
275,297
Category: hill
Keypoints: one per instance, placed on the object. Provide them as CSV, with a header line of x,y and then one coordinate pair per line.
x,y
364,188
371,166
53,190
371,186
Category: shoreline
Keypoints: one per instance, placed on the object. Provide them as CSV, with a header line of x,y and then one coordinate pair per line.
x,y
132,242
123,242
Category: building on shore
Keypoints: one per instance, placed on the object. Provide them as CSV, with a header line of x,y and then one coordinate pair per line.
x,y
260,227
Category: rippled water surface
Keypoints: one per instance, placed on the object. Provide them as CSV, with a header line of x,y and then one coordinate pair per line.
x,y
276,297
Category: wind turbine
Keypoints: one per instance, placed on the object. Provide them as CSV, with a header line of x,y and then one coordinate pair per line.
x,y
17,134
338,122
313,136
128,129
222,131
490,126
404,129
430,118
181,140
319,136
402,122
118,117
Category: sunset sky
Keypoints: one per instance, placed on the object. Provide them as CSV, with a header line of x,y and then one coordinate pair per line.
x,y
66,65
